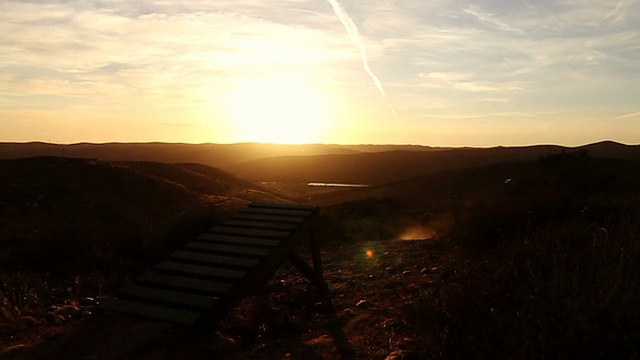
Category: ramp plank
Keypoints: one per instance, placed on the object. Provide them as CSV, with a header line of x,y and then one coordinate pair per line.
x,y
211,259
198,286
155,312
249,224
221,229
228,249
267,211
272,218
283,206
238,240
222,273
171,298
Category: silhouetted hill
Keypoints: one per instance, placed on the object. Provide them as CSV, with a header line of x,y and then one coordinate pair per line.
x,y
379,168
56,206
613,150
594,174
218,155
384,167
314,162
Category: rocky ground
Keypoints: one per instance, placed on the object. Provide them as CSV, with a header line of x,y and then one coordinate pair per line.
x,y
377,291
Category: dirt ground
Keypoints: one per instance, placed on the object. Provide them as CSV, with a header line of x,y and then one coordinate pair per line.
x,y
373,312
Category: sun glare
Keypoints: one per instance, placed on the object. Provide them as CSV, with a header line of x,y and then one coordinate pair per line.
x,y
277,109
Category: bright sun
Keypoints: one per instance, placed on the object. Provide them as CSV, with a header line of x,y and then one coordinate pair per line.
x,y
277,109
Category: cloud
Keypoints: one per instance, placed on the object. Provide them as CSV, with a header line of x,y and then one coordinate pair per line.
x,y
466,82
628,116
128,51
500,58
490,19
354,35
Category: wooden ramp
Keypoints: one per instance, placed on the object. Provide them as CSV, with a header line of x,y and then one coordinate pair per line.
x,y
204,280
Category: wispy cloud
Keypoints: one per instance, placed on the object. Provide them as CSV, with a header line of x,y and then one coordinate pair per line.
x,y
467,82
354,35
628,116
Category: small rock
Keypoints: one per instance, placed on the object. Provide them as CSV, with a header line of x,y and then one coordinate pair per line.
x,y
13,348
349,312
406,272
396,355
362,304
67,310
53,318
88,301
223,343
29,321
322,339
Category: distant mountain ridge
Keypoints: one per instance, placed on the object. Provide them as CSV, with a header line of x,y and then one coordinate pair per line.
x,y
390,166
217,155
371,164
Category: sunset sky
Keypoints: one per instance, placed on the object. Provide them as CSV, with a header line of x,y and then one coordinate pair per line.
x,y
432,72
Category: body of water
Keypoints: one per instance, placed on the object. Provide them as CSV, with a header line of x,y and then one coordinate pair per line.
x,y
323,184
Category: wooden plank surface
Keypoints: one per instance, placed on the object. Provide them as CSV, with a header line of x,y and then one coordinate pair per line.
x,y
206,287
221,267
221,229
239,240
272,218
173,298
211,259
156,312
228,249
283,206
282,212
225,274
252,224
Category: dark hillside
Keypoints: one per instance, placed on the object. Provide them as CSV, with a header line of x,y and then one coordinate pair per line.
x,y
448,186
66,220
218,155
612,150
548,258
380,168
90,199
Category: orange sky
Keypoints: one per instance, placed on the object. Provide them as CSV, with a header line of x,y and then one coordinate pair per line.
x,y
435,73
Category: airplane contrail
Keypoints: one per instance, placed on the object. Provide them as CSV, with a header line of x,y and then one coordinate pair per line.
x,y
354,35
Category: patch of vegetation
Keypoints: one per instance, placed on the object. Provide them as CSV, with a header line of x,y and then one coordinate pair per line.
x,y
369,220
552,269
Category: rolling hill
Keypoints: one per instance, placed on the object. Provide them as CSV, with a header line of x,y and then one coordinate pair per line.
x,y
53,207
390,166
217,155
369,164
